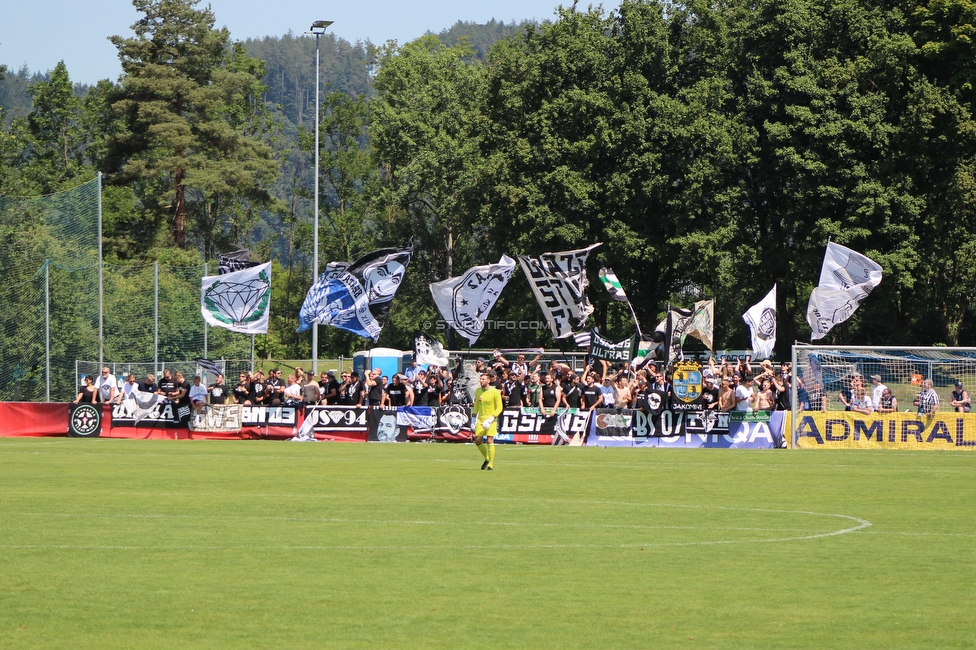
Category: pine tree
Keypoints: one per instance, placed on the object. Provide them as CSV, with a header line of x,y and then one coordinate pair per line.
x,y
188,102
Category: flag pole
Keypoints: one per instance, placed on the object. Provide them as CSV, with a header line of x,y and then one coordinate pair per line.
x,y
640,334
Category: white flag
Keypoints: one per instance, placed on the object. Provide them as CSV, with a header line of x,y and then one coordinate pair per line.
x,y
846,279
465,301
428,351
239,301
701,322
761,319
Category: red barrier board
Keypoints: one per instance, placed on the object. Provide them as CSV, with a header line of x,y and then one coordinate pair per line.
x,y
33,419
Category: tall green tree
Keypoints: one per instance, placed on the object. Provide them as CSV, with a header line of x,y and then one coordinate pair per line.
x,y
188,102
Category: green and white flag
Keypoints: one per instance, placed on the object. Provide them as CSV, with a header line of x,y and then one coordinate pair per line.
x,y
238,301
610,281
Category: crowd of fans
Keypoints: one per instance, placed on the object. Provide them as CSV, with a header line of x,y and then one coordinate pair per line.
x,y
727,385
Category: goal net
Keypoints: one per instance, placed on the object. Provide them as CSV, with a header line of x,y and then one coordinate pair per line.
x,y
883,397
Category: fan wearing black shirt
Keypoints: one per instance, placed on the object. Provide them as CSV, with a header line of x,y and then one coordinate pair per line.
x,y
242,391
592,395
550,396
166,385
352,391
396,392
150,385
572,391
218,391
374,389
515,390
275,388
259,389
709,393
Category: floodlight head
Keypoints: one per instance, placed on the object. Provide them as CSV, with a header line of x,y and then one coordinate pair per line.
x,y
319,26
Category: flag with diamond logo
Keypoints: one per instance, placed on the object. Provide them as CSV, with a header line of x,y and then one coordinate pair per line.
x,y
238,301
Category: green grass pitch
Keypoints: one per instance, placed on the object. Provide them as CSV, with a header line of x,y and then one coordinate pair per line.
x,y
164,544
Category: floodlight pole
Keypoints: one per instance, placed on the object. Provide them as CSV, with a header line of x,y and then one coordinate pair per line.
x,y
318,28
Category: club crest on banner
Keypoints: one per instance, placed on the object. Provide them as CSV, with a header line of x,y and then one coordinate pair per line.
x,y
686,382
454,418
85,421
767,324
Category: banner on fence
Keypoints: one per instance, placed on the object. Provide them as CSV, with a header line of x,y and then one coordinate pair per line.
x,y
608,428
329,420
453,424
269,416
850,430
382,426
218,418
531,426
85,421
162,414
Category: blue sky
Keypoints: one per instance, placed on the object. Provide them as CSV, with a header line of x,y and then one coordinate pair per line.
x,y
42,32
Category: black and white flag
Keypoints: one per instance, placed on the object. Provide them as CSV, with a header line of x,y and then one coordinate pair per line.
x,y
558,281
236,261
465,301
846,279
761,319
428,351
673,328
613,351
357,297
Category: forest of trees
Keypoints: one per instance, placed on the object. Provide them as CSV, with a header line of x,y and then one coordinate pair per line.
x,y
712,148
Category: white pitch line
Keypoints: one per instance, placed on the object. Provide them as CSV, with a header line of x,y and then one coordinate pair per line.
x,y
407,522
861,524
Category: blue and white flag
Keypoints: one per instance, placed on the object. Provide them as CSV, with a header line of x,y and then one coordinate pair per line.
x,y
356,297
238,301
465,301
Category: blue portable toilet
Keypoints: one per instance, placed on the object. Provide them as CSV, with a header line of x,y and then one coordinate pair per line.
x,y
388,360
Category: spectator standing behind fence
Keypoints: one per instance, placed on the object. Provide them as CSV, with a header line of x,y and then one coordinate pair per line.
x,y
960,399
88,391
127,388
311,391
182,388
259,389
149,385
745,399
927,401
242,392
374,389
218,390
876,389
887,403
765,397
861,402
292,393
550,396
726,395
166,384
107,386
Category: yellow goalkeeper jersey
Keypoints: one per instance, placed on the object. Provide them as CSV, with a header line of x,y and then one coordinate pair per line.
x,y
487,402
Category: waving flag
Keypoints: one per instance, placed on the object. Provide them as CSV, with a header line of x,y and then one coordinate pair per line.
x,y
465,301
357,297
558,281
238,301
846,279
701,324
761,319
428,351
236,261
610,281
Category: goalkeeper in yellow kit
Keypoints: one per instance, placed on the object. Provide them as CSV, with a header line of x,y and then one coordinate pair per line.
x,y
487,407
